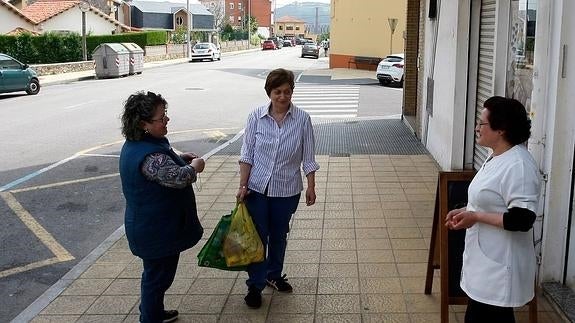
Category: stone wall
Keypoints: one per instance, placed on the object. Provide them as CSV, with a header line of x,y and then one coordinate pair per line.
x,y
58,68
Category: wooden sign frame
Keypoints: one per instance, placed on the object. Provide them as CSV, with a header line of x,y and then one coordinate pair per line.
x,y
448,244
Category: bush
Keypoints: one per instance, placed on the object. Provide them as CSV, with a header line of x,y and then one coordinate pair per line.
x,y
54,47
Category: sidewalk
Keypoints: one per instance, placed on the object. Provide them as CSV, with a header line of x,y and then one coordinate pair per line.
x,y
358,255
63,78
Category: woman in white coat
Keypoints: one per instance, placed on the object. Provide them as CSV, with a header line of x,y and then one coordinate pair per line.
x,y
499,259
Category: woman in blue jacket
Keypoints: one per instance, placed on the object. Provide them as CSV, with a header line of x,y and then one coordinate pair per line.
x,y
161,218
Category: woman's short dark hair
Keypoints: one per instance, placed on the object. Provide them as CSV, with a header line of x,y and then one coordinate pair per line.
x,y
510,116
277,78
139,107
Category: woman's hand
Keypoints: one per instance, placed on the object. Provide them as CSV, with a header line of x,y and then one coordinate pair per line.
x,y
188,157
460,219
310,196
198,164
242,192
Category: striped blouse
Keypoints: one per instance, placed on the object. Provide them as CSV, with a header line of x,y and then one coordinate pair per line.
x,y
277,153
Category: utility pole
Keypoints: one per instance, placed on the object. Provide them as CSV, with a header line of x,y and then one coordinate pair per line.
x,y
392,24
249,22
316,19
189,29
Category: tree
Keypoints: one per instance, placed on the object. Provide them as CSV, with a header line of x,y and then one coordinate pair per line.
x,y
219,11
179,36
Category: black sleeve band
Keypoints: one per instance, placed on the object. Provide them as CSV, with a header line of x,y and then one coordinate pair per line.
x,y
518,219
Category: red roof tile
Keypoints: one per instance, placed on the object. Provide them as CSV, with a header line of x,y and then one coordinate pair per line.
x,y
289,19
45,9
16,11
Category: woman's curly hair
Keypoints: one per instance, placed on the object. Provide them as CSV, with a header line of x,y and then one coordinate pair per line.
x,y
140,107
510,116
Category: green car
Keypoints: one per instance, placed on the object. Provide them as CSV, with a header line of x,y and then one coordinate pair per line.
x,y
15,76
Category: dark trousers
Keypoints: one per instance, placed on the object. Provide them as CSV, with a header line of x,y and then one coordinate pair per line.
x,y
271,216
157,277
479,313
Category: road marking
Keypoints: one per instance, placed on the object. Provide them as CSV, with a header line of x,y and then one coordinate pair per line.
x,y
34,265
340,101
79,105
216,135
100,155
42,234
75,181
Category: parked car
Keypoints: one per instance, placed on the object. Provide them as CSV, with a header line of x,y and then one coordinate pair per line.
x,y
16,76
390,70
287,43
278,41
310,49
202,51
268,44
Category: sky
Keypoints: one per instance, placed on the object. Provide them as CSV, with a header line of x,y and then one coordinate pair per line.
x,y
281,3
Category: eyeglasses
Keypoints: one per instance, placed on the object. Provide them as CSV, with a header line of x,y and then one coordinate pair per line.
x,y
482,124
164,118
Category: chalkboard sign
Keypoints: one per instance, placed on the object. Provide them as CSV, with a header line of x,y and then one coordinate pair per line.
x,y
446,246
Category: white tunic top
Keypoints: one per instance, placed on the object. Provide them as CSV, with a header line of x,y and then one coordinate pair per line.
x,y
499,265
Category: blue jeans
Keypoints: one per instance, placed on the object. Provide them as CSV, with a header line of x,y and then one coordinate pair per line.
x,y
271,216
157,277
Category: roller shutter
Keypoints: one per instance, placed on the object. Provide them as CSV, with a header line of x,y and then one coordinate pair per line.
x,y
485,69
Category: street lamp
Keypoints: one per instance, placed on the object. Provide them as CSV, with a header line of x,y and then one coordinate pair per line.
x,y
249,23
392,24
84,7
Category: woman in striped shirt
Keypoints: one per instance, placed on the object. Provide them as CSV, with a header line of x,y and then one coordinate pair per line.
x,y
278,142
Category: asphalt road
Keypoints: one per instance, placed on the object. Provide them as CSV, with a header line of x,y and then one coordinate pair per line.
x,y
60,195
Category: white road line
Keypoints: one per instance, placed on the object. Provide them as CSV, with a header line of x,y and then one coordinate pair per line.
x,y
310,112
334,116
78,105
316,106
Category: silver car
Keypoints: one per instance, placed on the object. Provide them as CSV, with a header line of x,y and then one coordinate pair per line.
x,y
310,49
202,51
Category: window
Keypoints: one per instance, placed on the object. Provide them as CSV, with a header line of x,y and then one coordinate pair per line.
x,y
521,49
289,27
231,6
179,20
296,27
232,19
281,27
239,19
239,6
7,64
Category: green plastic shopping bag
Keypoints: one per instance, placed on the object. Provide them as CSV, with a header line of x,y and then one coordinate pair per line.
x,y
242,244
212,254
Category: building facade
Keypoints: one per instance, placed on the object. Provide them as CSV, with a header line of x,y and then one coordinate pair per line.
x,y
365,30
289,27
474,49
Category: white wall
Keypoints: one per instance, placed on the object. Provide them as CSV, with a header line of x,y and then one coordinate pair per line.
x,y
444,131
9,21
71,20
264,31
553,98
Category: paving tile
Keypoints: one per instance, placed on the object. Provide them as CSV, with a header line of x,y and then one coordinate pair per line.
x,y
55,319
421,303
312,234
380,270
301,286
292,304
338,285
211,286
236,305
385,318
337,206
88,286
398,213
339,214
338,256
431,318
408,243
180,286
65,305
301,256
367,206
388,285
330,223
375,256
410,256
412,270
202,304
370,223
338,244
371,233
109,270
301,270
347,233
117,304
401,223
205,272
307,224
383,303
395,205
124,287
381,243
369,214
301,244
290,318
116,256
338,270
341,304
197,318
337,318
308,214
188,271
405,232
101,318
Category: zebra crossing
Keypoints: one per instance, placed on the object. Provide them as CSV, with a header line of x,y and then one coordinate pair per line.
x,y
327,101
